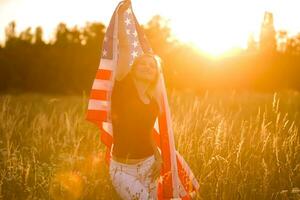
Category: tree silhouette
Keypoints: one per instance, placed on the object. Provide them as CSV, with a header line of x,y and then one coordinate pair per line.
x,y
268,34
68,64
93,33
38,36
282,40
252,46
159,33
62,38
10,34
293,45
26,36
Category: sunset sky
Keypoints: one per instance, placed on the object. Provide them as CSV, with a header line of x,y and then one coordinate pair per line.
x,y
212,25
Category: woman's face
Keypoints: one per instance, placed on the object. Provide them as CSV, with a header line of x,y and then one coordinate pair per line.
x,y
146,69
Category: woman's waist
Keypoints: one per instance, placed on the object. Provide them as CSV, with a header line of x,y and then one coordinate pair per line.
x,y
129,155
131,161
132,147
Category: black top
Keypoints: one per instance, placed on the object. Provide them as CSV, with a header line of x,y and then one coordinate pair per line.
x,y
132,121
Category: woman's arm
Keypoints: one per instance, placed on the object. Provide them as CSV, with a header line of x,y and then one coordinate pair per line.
x,y
158,160
156,151
124,48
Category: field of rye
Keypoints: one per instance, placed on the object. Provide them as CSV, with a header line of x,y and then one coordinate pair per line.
x,y
240,145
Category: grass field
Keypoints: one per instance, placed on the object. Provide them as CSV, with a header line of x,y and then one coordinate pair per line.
x,y
239,145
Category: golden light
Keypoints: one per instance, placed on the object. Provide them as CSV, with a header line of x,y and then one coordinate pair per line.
x,y
216,26
213,26
48,14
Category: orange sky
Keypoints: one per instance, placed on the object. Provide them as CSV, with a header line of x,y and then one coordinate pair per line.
x,y
212,25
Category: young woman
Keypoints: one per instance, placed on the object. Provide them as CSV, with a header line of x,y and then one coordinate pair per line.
x,y
136,161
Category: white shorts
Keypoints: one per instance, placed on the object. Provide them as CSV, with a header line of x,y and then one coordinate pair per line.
x,y
133,181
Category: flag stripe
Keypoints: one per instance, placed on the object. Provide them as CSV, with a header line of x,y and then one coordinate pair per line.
x,y
96,115
170,138
98,94
106,138
183,166
167,181
106,64
100,84
103,74
156,137
98,105
107,126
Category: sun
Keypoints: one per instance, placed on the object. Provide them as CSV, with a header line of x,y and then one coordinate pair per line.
x,y
213,40
216,27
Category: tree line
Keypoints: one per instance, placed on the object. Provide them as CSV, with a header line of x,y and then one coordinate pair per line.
x,y
68,63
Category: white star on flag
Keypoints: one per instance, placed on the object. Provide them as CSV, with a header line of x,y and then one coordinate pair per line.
x,y
134,54
134,33
135,44
127,21
104,52
128,11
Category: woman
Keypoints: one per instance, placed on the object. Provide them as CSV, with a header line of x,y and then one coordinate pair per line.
x,y
136,162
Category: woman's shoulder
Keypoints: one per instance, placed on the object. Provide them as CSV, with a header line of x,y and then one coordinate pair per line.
x,y
124,81
125,85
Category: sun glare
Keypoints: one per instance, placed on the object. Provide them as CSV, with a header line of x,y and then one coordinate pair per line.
x,y
216,27
213,26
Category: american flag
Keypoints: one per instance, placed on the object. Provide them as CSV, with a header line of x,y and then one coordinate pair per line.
x,y
177,179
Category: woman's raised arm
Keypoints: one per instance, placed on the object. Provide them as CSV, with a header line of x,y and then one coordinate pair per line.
x,y
123,60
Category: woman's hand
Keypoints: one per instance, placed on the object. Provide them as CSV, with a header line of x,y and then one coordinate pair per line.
x,y
155,169
124,6
157,165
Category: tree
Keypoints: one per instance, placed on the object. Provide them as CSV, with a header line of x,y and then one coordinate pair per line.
x,y
267,41
93,34
10,34
38,36
74,35
282,40
61,35
26,36
159,33
293,45
252,46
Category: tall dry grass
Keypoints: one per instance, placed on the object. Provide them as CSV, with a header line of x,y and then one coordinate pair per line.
x,y
239,145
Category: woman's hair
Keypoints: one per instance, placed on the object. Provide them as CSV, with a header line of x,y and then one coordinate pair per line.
x,y
158,63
